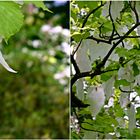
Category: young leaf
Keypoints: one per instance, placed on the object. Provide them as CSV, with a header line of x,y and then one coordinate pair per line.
x,y
5,65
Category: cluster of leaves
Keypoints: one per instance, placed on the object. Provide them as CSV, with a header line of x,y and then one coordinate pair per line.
x,y
106,74
33,99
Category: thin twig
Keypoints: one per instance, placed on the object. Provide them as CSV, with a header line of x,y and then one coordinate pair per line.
x,y
115,38
98,40
74,64
77,47
113,25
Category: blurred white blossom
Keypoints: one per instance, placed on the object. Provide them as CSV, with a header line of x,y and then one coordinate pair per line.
x,y
61,76
64,73
36,43
46,28
56,30
66,32
65,48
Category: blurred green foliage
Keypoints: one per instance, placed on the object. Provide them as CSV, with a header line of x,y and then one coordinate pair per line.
x,y
34,104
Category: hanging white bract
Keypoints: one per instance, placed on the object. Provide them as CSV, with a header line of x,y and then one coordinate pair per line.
x,y
96,98
5,65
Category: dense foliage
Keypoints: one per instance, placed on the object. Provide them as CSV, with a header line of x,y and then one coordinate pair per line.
x,y
105,69
34,101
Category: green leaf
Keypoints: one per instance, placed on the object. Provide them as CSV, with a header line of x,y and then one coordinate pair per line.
x,y
122,82
85,35
77,36
101,124
137,89
137,132
123,132
39,4
106,76
121,52
135,69
91,5
138,113
74,135
11,19
118,110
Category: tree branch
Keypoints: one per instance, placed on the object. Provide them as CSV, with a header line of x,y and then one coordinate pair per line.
x,y
113,25
116,44
89,74
73,53
91,12
115,38
98,40
133,8
74,64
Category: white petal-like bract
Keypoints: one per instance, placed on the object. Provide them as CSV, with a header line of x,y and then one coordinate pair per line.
x,y
5,65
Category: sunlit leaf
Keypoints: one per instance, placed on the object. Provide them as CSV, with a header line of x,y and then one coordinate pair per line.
x,y
121,82
11,19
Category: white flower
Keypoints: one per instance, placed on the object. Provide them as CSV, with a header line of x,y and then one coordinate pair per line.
x,y
65,47
46,28
56,30
66,32
64,73
36,43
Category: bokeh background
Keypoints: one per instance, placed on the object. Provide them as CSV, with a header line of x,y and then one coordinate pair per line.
x,y
35,101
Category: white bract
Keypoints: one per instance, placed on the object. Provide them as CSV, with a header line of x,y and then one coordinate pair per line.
x,y
82,58
80,89
96,98
109,87
116,8
90,51
5,65
132,118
